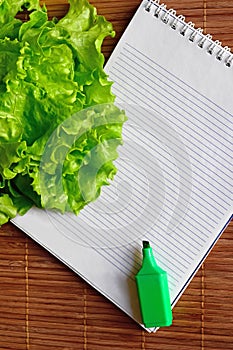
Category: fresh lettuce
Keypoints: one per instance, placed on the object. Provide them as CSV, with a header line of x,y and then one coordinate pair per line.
x,y
59,128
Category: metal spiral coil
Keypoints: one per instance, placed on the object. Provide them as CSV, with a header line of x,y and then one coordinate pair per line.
x,y
187,29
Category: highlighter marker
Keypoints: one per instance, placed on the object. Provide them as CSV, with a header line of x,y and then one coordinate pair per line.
x,y
153,291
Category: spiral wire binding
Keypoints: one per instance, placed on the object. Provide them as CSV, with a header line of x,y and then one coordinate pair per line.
x,y
203,41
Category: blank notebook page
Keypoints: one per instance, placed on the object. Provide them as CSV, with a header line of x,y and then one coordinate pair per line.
x,y
174,180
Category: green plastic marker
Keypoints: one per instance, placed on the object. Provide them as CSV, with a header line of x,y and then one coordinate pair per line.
x,y
153,291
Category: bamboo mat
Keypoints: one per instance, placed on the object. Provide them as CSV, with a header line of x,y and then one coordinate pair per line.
x,y
44,305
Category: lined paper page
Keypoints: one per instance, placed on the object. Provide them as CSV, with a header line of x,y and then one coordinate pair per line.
x,y
174,180
171,91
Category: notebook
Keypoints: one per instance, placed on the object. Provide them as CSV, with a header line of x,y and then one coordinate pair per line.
x,y
174,181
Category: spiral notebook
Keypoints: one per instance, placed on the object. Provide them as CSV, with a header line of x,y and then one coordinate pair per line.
x,y
174,180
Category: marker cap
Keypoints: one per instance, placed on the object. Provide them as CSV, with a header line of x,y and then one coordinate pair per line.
x,y
153,291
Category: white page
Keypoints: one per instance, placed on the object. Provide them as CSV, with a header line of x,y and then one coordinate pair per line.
x,y
174,183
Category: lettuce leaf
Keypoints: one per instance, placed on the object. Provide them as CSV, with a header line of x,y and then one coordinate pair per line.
x,y
59,128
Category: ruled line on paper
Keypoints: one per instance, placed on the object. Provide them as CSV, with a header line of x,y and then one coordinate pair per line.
x,y
171,96
156,124
124,263
171,84
209,103
127,90
125,82
203,172
200,183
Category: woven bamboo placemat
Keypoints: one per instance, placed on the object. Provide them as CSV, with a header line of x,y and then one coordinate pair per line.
x,y
44,305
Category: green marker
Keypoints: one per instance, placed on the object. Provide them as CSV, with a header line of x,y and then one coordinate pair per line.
x,y
153,291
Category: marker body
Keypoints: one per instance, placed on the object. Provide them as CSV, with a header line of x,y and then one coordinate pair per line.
x,y
153,292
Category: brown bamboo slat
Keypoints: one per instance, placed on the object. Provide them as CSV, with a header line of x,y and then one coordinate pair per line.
x,y
44,305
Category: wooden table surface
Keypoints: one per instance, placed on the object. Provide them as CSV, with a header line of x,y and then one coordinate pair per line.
x,y
44,305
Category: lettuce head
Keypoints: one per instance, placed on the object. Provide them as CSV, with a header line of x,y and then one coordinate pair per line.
x,y
59,127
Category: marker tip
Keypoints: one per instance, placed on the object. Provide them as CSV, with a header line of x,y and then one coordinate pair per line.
x,y
146,244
